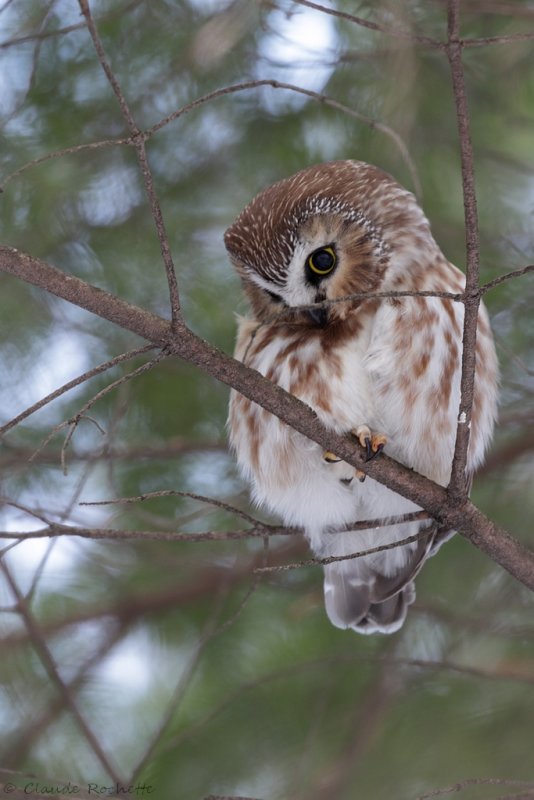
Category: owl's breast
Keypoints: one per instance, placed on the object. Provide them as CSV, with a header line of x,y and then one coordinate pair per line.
x,y
287,471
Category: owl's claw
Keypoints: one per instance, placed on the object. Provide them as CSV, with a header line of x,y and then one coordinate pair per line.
x,y
330,458
373,442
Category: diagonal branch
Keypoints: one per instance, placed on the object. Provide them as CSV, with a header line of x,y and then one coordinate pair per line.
x,y
313,562
389,30
454,513
72,384
143,136
515,273
49,665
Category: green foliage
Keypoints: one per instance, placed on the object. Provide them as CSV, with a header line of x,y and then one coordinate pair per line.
x,y
277,703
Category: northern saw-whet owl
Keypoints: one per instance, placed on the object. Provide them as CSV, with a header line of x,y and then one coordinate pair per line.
x,y
387,369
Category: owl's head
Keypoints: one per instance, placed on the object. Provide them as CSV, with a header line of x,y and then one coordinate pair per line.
x,y
327,232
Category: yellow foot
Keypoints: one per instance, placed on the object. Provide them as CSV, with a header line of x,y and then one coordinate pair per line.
x,y
373,442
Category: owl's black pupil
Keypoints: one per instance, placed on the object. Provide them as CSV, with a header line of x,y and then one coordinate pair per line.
x,y
323,260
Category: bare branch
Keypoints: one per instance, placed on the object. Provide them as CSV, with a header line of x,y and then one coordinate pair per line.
x,y
139,143
457,787
38,273
375,26
313,562
458,485
72,384
49,665
54,529
321,98
14,456
488,40
516,273
145,135
65,151
229,797
173,493
400,33
454,514
82,413
258,530
42,35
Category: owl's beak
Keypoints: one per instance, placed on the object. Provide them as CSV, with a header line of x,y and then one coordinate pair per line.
x,y
319,316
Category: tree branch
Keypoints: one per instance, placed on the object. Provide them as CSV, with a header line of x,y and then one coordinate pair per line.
x,y
458,485
144,136
455,513
374,26
457,787
50,667
72,384
138,139
313,562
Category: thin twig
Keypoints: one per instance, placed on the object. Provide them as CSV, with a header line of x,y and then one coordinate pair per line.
x,y
42,35
82,413
211,631
21,744
238,87
457,787
427,41
458,485
259,529
516,273
65,151
375,26
72,384
50,666
313,562
213,501
139,143
56,529
489,40
290,87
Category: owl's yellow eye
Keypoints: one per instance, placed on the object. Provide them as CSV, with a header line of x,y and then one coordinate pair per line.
x,y
322,261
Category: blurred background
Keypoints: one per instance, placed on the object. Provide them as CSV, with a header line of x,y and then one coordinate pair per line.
x,y
188,670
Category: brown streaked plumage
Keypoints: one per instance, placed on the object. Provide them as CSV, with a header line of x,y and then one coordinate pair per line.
x,y
303,247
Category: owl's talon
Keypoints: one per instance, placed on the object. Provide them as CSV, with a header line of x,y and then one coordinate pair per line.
x,y
373,442
330,458
375,449
360,475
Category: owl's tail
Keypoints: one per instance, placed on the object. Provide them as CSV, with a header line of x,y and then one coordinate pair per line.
x,y
372,594
353,603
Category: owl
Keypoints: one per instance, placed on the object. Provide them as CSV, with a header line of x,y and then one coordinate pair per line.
x,y
385,369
